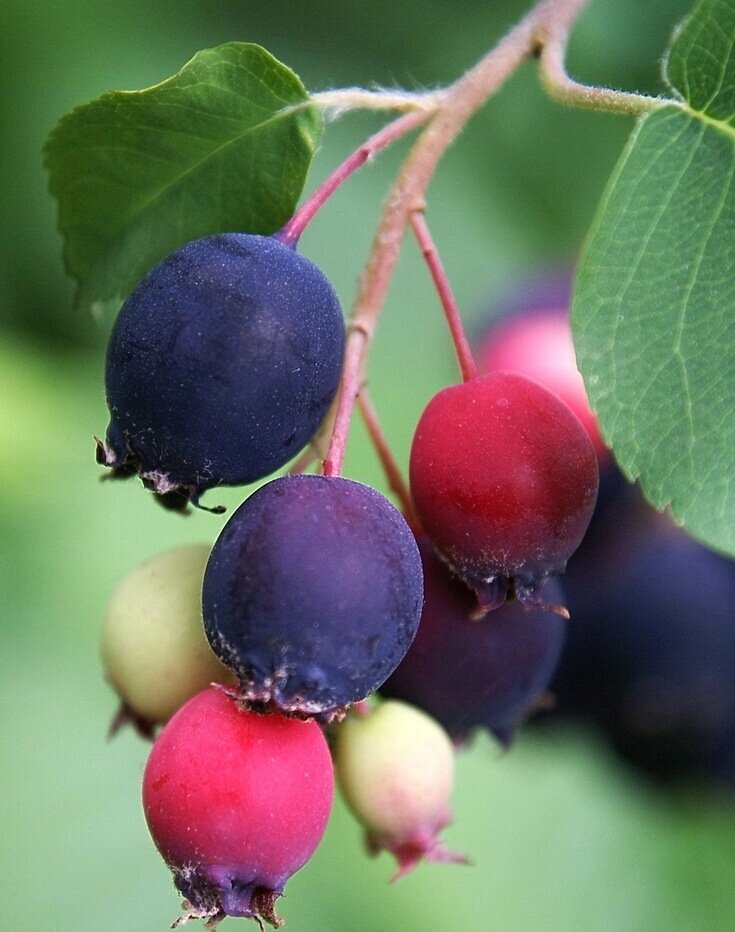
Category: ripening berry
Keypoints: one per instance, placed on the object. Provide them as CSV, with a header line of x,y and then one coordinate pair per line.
x,y
538,344
236,803
504,480
154,650
395,767
313,593
220,366
473,673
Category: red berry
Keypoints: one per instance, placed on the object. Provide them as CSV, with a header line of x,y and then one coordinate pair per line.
x,y
236,803
504,480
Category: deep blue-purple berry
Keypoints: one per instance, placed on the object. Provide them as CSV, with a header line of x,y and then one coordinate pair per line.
x,y
312,593
477,673
220,366
650,659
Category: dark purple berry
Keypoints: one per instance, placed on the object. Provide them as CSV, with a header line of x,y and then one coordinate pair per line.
x,y
220,366
651,657
313,593
471,673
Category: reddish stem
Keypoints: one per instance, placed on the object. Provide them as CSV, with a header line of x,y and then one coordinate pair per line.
x,y
348,391
396,482
451,311
549,21
290,233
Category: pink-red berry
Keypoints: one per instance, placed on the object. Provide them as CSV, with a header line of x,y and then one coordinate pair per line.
x,y
236,803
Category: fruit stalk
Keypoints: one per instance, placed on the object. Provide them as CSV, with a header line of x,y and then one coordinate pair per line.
x,y
550,20
449,305
396,482
291,232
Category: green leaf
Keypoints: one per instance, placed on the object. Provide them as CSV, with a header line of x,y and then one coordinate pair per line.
x,y
654,305
700,64
217,147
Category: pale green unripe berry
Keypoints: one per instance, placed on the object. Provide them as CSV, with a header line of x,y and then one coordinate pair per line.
x,y
395,767
154,650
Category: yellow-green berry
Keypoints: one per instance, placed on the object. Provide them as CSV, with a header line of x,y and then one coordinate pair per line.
x,y
154,650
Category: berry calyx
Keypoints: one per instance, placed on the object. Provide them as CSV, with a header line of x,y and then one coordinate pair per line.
x,y
395,767
236,803
312,594
504,480
473,673
220,366
154,651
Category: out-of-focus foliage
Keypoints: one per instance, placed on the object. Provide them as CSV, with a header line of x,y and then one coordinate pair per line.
x,y
654,327
559,836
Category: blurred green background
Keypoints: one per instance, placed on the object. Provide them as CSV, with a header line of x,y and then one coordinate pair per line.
x,y
561,837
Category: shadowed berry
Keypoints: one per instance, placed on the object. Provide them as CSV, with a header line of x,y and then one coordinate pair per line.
x,y
154,650
236,803
504,480
484,673
313,593
395,766
220,366
651,658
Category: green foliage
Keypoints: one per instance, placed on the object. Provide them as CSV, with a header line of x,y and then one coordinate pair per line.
x,y
653,308
551,817
700,64
217,147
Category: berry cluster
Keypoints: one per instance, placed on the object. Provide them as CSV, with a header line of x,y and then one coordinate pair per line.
x,y
319,592
329,631
648,662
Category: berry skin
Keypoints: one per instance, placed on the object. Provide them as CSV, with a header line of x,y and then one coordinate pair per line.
x,y
395,767
313,593
220,366
236,803
504,480
153,647
467,673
